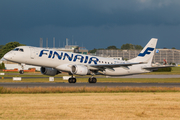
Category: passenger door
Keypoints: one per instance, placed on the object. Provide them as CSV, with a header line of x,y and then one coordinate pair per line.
x,y
32,53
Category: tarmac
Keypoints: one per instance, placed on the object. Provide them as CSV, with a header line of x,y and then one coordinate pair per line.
x,y
98,84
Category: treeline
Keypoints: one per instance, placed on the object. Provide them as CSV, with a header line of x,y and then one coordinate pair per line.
x,y
2,66
8,47
123,47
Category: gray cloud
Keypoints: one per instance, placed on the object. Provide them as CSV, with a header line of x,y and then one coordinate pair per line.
x,y
74,13
97,21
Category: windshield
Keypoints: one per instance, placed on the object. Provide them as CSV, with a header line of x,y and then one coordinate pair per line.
x,y
18,49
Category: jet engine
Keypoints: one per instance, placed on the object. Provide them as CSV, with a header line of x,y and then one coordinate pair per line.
x,y
49,71
79,70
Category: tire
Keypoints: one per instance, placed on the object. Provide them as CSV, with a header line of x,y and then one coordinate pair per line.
x,y
74,80
90,80
70,80
21,71
94,80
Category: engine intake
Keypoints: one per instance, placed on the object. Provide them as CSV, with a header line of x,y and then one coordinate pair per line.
x,y
49,71
79,70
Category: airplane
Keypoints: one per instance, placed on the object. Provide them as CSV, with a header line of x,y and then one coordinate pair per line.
x,y
53,62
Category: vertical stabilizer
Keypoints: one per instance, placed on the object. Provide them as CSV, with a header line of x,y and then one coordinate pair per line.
x,y
146,55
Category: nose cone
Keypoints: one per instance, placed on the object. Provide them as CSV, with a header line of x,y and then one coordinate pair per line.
x,y
7,56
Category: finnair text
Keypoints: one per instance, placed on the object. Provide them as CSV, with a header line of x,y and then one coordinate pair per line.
x,y
68,56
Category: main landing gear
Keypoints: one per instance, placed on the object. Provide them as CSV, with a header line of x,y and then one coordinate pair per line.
x,y
90,80
72,80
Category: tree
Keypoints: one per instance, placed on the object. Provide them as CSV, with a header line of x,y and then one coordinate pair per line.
x,y
138,47
173,48
8,47
93,51
2,66
1,46
112,48
127,46
131,47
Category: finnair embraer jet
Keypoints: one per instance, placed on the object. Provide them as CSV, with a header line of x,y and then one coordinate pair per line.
x,y
53,62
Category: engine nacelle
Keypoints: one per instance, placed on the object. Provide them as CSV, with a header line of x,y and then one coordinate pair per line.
x,y
79,70
49,71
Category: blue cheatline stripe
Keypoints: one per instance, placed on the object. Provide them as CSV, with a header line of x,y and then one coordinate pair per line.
x,y
146,52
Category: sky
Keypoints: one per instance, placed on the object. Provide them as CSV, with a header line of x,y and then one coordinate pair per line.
x,y
90,23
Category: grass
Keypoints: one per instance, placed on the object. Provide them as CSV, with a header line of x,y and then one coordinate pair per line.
x,y
175,71
4,90
90,106
91,103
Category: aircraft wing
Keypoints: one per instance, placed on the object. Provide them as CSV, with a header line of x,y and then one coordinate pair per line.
x,y
111,66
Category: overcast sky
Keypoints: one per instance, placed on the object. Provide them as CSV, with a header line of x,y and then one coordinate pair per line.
x,y
90,23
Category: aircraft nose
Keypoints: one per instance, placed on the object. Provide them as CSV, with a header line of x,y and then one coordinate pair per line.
x,y
7,56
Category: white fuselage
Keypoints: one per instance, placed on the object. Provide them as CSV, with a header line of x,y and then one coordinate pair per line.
x,y
62,60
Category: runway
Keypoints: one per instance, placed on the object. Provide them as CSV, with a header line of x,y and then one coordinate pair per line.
x,y
130,76
103,84
98,84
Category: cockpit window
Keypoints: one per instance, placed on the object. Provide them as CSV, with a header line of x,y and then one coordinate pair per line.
x,y
16,49
19,49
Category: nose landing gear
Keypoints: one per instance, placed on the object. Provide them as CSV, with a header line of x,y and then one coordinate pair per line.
x,y
22,69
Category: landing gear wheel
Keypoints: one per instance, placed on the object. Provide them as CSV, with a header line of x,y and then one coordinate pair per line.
x,y
92,80
21,71
72,80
